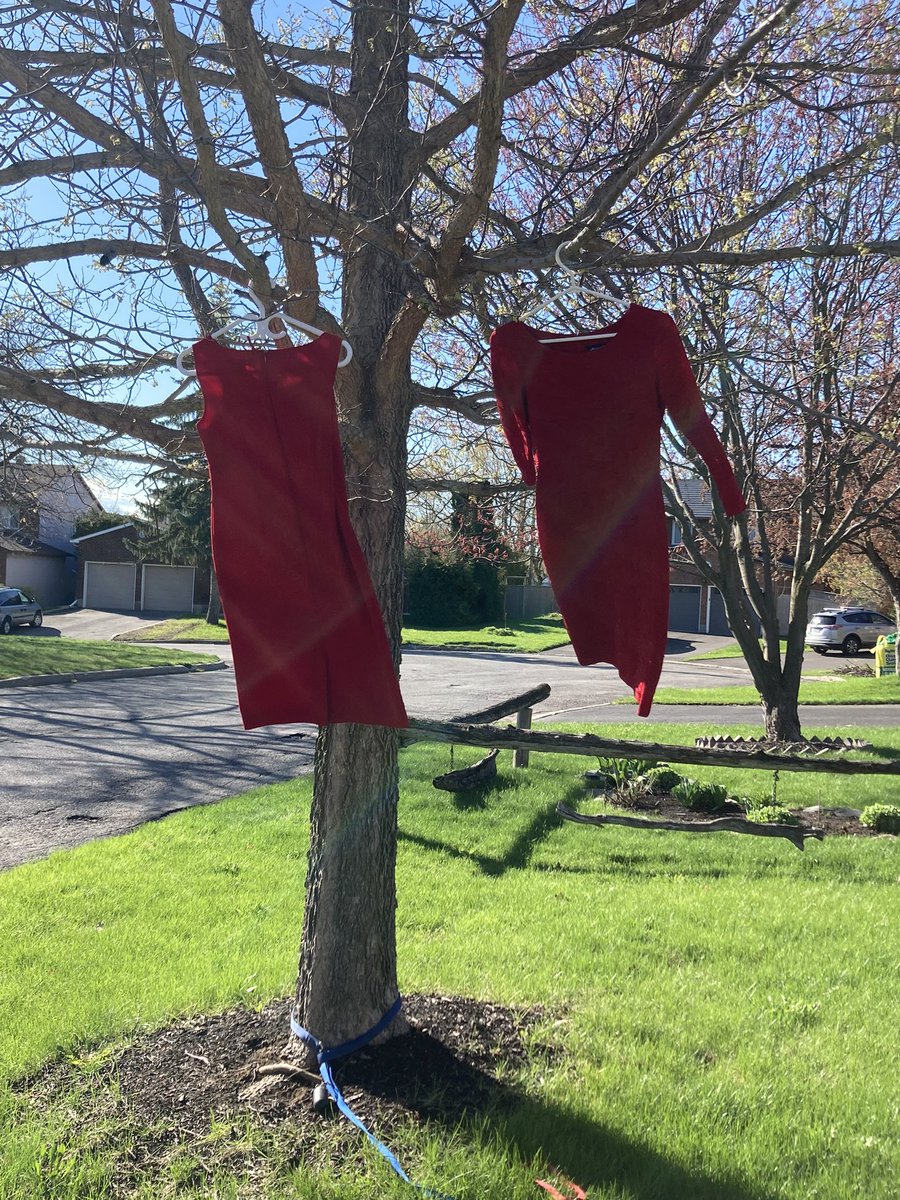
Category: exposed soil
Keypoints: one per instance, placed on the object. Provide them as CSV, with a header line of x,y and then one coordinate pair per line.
x,y
666,807
154,1098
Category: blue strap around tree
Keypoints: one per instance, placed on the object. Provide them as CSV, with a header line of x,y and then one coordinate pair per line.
x,y
325,1056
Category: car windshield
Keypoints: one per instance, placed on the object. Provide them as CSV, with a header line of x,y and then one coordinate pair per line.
x,y
823,619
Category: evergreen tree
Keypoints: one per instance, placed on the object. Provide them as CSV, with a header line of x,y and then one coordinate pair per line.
x,y
173,527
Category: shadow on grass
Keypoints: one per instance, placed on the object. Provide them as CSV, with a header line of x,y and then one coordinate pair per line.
x,y
426,1077
479,797
596,1157
543,823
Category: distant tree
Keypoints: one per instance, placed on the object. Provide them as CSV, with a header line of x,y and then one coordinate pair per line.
x,y
97,519
173,527
882,549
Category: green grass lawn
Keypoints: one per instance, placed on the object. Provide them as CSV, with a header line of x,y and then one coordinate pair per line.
x,y
178,629
540,633
852,690
726,1003
732,650
57,656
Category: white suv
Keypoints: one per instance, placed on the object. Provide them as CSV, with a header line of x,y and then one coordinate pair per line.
x,y
846,629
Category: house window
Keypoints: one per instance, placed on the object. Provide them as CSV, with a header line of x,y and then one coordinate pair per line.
x,y
674,533
9,516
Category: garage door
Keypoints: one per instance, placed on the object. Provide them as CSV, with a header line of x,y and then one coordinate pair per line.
x,y
718,619
47,578
109,585
684,607
168,589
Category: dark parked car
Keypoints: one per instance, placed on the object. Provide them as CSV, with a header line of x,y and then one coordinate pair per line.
x,y
17,609
847,629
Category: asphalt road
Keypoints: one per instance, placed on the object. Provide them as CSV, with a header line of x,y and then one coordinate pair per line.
x,y
88,760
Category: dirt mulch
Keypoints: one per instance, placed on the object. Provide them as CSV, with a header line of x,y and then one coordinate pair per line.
x,y
666,808
154,1098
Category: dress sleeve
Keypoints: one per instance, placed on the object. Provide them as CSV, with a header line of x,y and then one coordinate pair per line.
x,y
680,396
509,388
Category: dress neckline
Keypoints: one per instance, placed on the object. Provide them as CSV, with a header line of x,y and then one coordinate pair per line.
x,y
582,347
206,341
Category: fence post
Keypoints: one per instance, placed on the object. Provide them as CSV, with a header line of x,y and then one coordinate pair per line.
x,y
523,721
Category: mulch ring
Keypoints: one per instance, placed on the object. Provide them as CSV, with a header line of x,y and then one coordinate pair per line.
x,y
154,1098
665,807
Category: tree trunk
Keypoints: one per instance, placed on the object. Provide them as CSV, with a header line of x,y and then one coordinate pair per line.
x,y
214,608
780,712
348,973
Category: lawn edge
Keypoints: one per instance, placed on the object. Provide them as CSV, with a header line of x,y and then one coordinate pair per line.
x,y
115,673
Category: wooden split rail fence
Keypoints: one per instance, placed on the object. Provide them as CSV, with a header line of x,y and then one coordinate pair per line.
x,y
475,729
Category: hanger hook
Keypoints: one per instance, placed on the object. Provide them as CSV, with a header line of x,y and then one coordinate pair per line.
x,y
260,307
559,262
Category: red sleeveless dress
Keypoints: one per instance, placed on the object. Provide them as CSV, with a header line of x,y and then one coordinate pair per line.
x,y
583,421
307,635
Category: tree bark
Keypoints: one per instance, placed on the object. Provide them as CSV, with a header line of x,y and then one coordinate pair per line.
x,y
348,973
782,717
214,608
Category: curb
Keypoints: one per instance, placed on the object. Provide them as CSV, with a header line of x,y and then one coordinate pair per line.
x,y
122,673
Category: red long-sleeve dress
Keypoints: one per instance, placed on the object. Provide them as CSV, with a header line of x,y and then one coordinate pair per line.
x,y
583,421
307,634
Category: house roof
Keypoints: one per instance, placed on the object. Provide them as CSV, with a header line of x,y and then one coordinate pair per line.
x,y
20,543
695,493
32,478
100,532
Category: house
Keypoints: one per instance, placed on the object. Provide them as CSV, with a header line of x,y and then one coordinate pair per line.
x,y
694,605
39,506
110,574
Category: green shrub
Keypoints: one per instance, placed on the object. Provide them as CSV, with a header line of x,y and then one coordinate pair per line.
x,y
883,818
662,778
442,593
701,797
772,814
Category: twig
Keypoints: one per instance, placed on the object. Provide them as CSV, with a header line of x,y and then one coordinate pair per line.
x,y
199,1057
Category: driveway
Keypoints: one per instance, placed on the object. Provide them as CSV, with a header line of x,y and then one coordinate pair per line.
x,y
92,624
88,760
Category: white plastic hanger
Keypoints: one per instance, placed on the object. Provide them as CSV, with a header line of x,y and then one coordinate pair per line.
x,y
263,323
574,288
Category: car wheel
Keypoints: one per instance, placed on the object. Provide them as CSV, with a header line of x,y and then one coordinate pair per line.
x,y
851,646
820,649
38,620
6,625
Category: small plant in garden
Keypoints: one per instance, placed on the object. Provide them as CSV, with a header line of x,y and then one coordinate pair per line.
x,y
701,797
743,802
500,630
621,771
883,818
772,814
662,778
